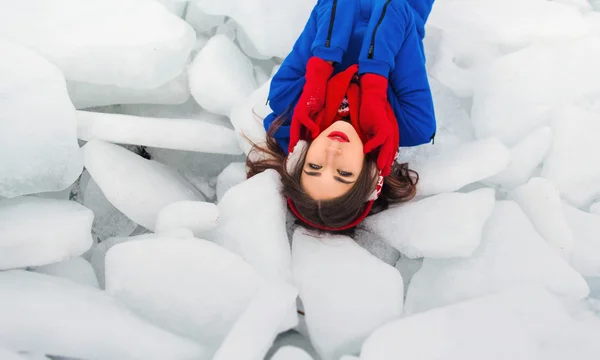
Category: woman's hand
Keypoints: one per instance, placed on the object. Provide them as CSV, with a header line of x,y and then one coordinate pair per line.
x,y
377,122
312,98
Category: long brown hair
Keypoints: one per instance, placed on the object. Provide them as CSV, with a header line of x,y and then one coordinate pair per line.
x,y
399,186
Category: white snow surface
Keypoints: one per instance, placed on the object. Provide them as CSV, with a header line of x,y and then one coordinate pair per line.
x,y
160,248
38,141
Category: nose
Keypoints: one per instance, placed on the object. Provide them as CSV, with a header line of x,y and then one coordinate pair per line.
x,y
333,150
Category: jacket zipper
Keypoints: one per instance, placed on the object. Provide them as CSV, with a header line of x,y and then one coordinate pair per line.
x,y
372,47
331,21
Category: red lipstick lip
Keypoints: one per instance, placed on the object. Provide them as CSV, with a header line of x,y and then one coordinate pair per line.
x,y
338,136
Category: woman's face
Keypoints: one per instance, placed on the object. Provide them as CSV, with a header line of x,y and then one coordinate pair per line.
x,y
333,162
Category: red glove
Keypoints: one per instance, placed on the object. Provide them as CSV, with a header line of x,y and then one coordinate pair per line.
x,y
377,121
312,99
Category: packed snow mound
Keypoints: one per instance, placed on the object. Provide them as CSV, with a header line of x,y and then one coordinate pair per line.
x,y
127,43
38,139
271,25
191,287
346,292
35,231
511,254
139,188
441,226
93,325
178,134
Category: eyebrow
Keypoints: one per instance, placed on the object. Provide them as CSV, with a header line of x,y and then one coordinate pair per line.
x,y
311,173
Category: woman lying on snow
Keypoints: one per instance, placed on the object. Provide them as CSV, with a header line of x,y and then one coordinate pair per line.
x,y
353,89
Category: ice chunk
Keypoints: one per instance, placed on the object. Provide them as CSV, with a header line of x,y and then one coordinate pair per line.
x,y
568,164
36,231
525,157
464,165
197,216
28,326
138,187
541,202
86,95
179,134
77,269
511,253
291,353
191,287
509,22
108,220
98,253
517,93
234,174
221,76
524,323
441,226
127,43
595,208
253,224
586,230
202,22
347,293
247,118
272,26
266,316
38,140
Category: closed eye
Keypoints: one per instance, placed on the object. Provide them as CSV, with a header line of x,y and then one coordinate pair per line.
x,y
344,173
314,166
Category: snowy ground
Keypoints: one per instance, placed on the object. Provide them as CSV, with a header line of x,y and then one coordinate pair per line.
x,y
127,230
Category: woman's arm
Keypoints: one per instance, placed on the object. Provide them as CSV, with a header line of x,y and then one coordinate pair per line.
x,y
326,35
393,49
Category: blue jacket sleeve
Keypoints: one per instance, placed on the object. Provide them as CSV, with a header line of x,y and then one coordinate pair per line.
x,y
393,49
326,35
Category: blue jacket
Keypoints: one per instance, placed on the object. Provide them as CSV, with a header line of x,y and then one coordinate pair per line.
x,y
381,36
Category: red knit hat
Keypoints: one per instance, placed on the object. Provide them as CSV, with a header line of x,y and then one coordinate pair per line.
x,y
343,91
